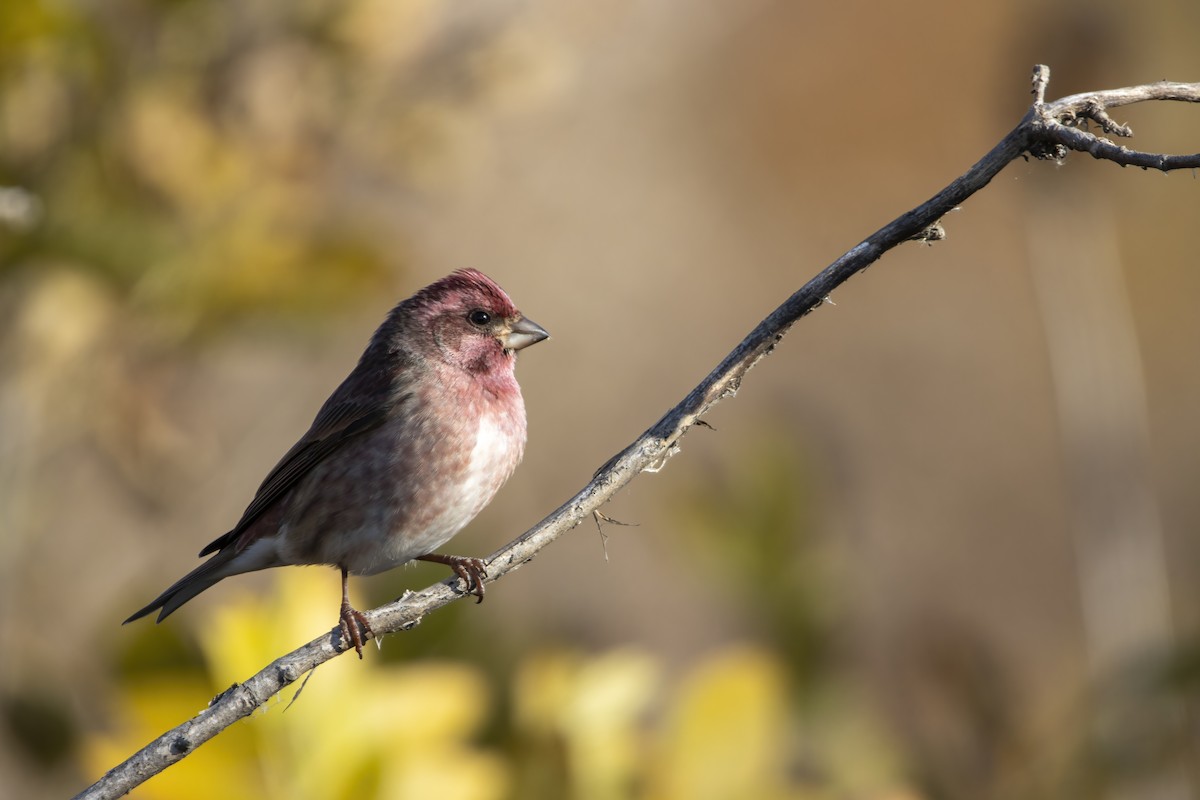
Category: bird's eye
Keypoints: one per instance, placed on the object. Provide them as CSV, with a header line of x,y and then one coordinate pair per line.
x,y
479,317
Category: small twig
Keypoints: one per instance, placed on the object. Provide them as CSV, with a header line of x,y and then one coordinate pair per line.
x,y
1099,114
1075,139
303,683
1044,132
600,517
1041,79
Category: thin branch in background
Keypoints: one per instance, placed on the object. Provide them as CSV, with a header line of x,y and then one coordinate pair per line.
x,y
1044,132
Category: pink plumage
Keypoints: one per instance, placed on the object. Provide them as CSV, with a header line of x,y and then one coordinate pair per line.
x,y
405,452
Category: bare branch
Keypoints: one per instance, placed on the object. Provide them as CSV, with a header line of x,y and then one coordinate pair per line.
x,y
1075,139
1047,131
1056,123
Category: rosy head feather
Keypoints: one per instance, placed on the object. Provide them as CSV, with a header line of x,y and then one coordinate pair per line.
x,y
466,287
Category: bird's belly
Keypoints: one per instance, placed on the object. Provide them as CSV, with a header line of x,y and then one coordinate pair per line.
x,y
411,526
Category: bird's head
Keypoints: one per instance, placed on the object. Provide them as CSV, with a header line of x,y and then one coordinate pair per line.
x,y
473,323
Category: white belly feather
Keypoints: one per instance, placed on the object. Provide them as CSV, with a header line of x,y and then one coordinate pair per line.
x,y
490,463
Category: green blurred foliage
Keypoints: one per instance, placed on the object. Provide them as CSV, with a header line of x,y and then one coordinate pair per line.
x,y
753,526
180,152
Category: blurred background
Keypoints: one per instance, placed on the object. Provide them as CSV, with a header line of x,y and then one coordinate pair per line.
x,y
943,544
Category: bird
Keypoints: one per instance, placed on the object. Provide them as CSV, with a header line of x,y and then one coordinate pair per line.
x,y
407,450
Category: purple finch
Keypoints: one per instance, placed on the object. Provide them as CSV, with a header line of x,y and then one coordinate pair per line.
x,y
411,446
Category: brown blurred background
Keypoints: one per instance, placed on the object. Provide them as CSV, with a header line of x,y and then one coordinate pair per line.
x,y
960,503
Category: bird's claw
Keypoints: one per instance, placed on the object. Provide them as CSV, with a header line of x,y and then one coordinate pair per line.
x,y
354,627
471,570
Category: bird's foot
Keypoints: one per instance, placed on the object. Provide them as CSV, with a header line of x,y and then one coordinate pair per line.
x,y
354,627
472,571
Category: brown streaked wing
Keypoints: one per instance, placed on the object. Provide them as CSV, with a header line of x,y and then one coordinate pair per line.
x,y
334,426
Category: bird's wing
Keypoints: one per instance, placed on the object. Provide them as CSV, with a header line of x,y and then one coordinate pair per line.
x,y
338,422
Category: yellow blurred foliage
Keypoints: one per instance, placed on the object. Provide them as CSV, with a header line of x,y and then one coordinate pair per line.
x,y
174,147
727,734
356,730
387,33
595,708
360,729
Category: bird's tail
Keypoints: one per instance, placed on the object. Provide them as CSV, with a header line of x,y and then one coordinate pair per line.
x,y
215,569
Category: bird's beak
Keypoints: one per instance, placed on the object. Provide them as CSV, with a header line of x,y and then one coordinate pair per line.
x,y
523,333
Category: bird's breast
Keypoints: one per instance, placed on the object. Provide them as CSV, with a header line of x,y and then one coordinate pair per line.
x,y
404,489
460,475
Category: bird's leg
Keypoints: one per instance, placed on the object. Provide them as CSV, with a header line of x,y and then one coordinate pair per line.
x,y
471,570
353,623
